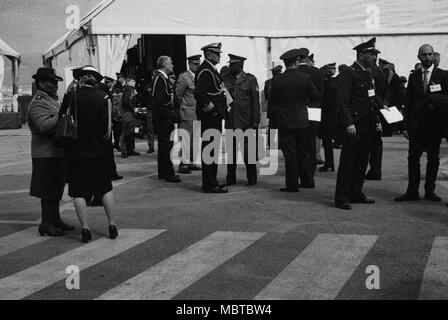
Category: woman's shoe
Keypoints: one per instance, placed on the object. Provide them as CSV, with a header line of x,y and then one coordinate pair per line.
x,y
51,231
113,232
86,235
326,168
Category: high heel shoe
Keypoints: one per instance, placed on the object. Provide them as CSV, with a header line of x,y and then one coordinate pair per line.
x,y
326,168
113,232
86,235
51,231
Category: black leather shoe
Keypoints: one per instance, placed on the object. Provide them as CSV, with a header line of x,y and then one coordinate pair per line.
x,y
432,197
228,184
307,186
173,179
194,167
51,231
86,236
373,176
117,177
407,197
289,190
184,170
133,153
217,190
364,200
344,206
150,150
124,156
326,168
251,183
113,232
63,226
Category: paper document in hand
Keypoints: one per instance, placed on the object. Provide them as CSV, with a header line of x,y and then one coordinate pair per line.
x,y
392,115
229,98
314,114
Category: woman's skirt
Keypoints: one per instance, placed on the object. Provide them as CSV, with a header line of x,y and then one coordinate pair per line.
x,y
89,177
48,178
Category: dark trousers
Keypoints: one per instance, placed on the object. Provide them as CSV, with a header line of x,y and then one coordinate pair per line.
x,y
150,129
50,212
112,164
311,135
419,142
327,143
209,171
376,154
127,142
164,163
297,159
251,169
353,166
116,129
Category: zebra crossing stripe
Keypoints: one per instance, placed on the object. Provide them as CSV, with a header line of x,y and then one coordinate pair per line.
x,y
321,270
20,240
25,283
168,278
435,278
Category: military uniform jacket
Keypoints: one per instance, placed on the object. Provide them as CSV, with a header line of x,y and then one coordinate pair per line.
x,y
318,81
245,110
163,97
185,94
129,99
329,109
208,88
417,102
291,93
354,104
42,118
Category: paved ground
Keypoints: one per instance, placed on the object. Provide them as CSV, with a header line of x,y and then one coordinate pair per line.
x,y
253,243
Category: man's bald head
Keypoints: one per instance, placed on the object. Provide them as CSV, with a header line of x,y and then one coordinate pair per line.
x,y
426,55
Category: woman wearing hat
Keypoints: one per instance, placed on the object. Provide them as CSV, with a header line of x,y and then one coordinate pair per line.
x,y
49,165
89,172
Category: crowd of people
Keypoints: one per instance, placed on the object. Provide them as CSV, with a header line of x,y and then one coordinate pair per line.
x,y
202,98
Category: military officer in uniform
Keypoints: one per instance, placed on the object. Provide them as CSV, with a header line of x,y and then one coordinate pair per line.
x,y
358,109
127,145
165,117
188,118
267,93
291,92
211,108
318,81
244,114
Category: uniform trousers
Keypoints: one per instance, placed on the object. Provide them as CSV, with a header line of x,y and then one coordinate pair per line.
x,y
376,154
327,143
352,166
164,164
127,142
210,171
311,136
150,129
297,160
251,168
194,130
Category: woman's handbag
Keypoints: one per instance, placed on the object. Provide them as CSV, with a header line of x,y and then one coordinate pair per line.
x,y
67,127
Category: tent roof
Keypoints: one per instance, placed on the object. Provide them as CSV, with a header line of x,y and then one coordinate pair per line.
x,y
254,18
6,50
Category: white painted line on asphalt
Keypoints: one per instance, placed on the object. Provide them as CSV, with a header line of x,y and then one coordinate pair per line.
x,y
38,277
435,278
29,222
171,276
3,193
321,270
20,240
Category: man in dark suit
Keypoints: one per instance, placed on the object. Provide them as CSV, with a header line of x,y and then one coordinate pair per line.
x,y
211,109
358,107
421,119
244,115
291,93
164,118
311,135
277,70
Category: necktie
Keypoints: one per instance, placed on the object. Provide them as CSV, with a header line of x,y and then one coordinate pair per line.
x,y
425,80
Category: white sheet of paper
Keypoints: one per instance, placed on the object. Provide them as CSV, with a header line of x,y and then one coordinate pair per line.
x,y
314,114
229,98
392,115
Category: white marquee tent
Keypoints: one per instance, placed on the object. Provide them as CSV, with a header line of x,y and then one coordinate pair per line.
x,y
258,30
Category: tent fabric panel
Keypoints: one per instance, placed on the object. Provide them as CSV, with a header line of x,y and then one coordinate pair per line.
x,y
111,53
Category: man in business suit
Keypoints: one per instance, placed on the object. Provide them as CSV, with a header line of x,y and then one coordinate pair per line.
x,y
359,115
311,135
164,118
244,115
290,94
188,118
421,122
211,108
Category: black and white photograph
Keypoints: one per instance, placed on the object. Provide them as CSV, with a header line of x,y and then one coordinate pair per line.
x,y
223,155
